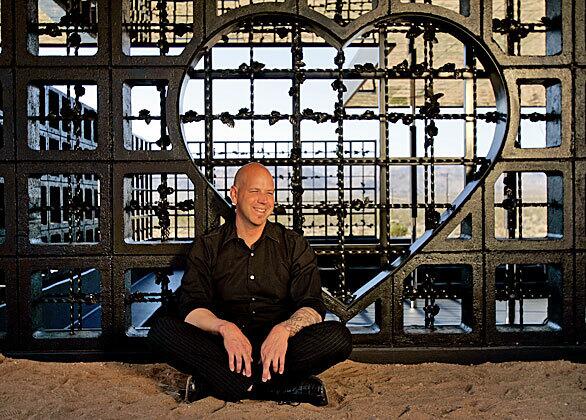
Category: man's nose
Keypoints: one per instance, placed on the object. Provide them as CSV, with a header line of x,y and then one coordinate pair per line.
x,y
262,198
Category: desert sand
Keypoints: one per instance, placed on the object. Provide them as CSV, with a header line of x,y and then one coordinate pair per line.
x,y
112,390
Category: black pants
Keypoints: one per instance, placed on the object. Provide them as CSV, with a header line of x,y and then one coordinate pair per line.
x,y
193,351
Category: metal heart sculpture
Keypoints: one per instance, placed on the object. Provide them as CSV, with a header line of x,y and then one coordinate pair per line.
x,y
405,102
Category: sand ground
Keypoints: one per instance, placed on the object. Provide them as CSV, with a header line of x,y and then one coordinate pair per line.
x,y
528,390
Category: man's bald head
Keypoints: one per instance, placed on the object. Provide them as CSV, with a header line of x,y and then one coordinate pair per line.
x,y
253,195
250,170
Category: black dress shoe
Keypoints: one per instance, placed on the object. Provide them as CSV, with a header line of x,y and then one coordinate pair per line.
x,y
310,390
194,391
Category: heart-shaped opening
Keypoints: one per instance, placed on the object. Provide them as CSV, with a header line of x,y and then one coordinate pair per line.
x,y
369,142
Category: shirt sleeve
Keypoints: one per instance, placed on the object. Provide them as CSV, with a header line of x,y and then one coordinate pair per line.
x,y
196,285
305,282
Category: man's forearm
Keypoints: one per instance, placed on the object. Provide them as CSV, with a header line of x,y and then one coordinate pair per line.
x,y
205,319
302,317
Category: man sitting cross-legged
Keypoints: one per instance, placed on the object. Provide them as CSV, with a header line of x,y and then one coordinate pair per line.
x,y
251,313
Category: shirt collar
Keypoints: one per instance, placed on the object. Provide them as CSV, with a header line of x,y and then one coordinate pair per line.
x,y
270,231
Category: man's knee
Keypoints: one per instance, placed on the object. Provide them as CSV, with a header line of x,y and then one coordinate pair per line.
x,y
339,339
165,331
160,327
160,324
329,340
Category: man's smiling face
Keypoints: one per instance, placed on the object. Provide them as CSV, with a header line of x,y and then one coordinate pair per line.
x,y
253,195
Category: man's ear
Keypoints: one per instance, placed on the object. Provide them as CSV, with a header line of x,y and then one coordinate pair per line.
x,y
234,194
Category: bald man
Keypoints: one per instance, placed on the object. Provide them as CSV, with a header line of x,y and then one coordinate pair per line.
x,y
250,321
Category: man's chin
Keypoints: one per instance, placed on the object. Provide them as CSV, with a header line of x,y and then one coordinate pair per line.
x,y
257,221
260,222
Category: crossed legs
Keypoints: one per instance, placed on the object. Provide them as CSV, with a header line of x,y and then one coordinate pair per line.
x,y
193,351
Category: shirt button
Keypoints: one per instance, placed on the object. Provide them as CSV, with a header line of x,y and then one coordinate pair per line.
x,y
252,254
253,299
252,277
253,312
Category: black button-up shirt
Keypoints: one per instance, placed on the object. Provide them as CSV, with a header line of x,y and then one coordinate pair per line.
x,y
254,288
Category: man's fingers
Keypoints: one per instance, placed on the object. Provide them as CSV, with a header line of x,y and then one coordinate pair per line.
x,y
247,367
238,347
275,364
231,361
282,364
265,370
239,358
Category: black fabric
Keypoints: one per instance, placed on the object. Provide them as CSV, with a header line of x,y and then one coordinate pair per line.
x,y
256,287
311,351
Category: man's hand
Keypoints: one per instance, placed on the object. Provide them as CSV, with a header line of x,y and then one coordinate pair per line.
x,y
238,348
273,351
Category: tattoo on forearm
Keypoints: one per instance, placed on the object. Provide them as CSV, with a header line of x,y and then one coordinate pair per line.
x,y
301,318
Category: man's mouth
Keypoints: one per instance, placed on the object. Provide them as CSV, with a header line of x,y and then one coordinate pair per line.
x,y
259,210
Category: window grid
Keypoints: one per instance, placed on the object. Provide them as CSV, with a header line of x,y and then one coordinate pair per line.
x,y
345,211
161,208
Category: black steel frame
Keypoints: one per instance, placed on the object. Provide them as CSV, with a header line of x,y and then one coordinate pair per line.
x,y
111,68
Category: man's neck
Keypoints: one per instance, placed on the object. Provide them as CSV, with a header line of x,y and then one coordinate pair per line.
x,y
247,232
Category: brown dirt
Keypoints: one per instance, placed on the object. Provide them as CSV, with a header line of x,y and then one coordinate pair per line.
x,y
355,390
